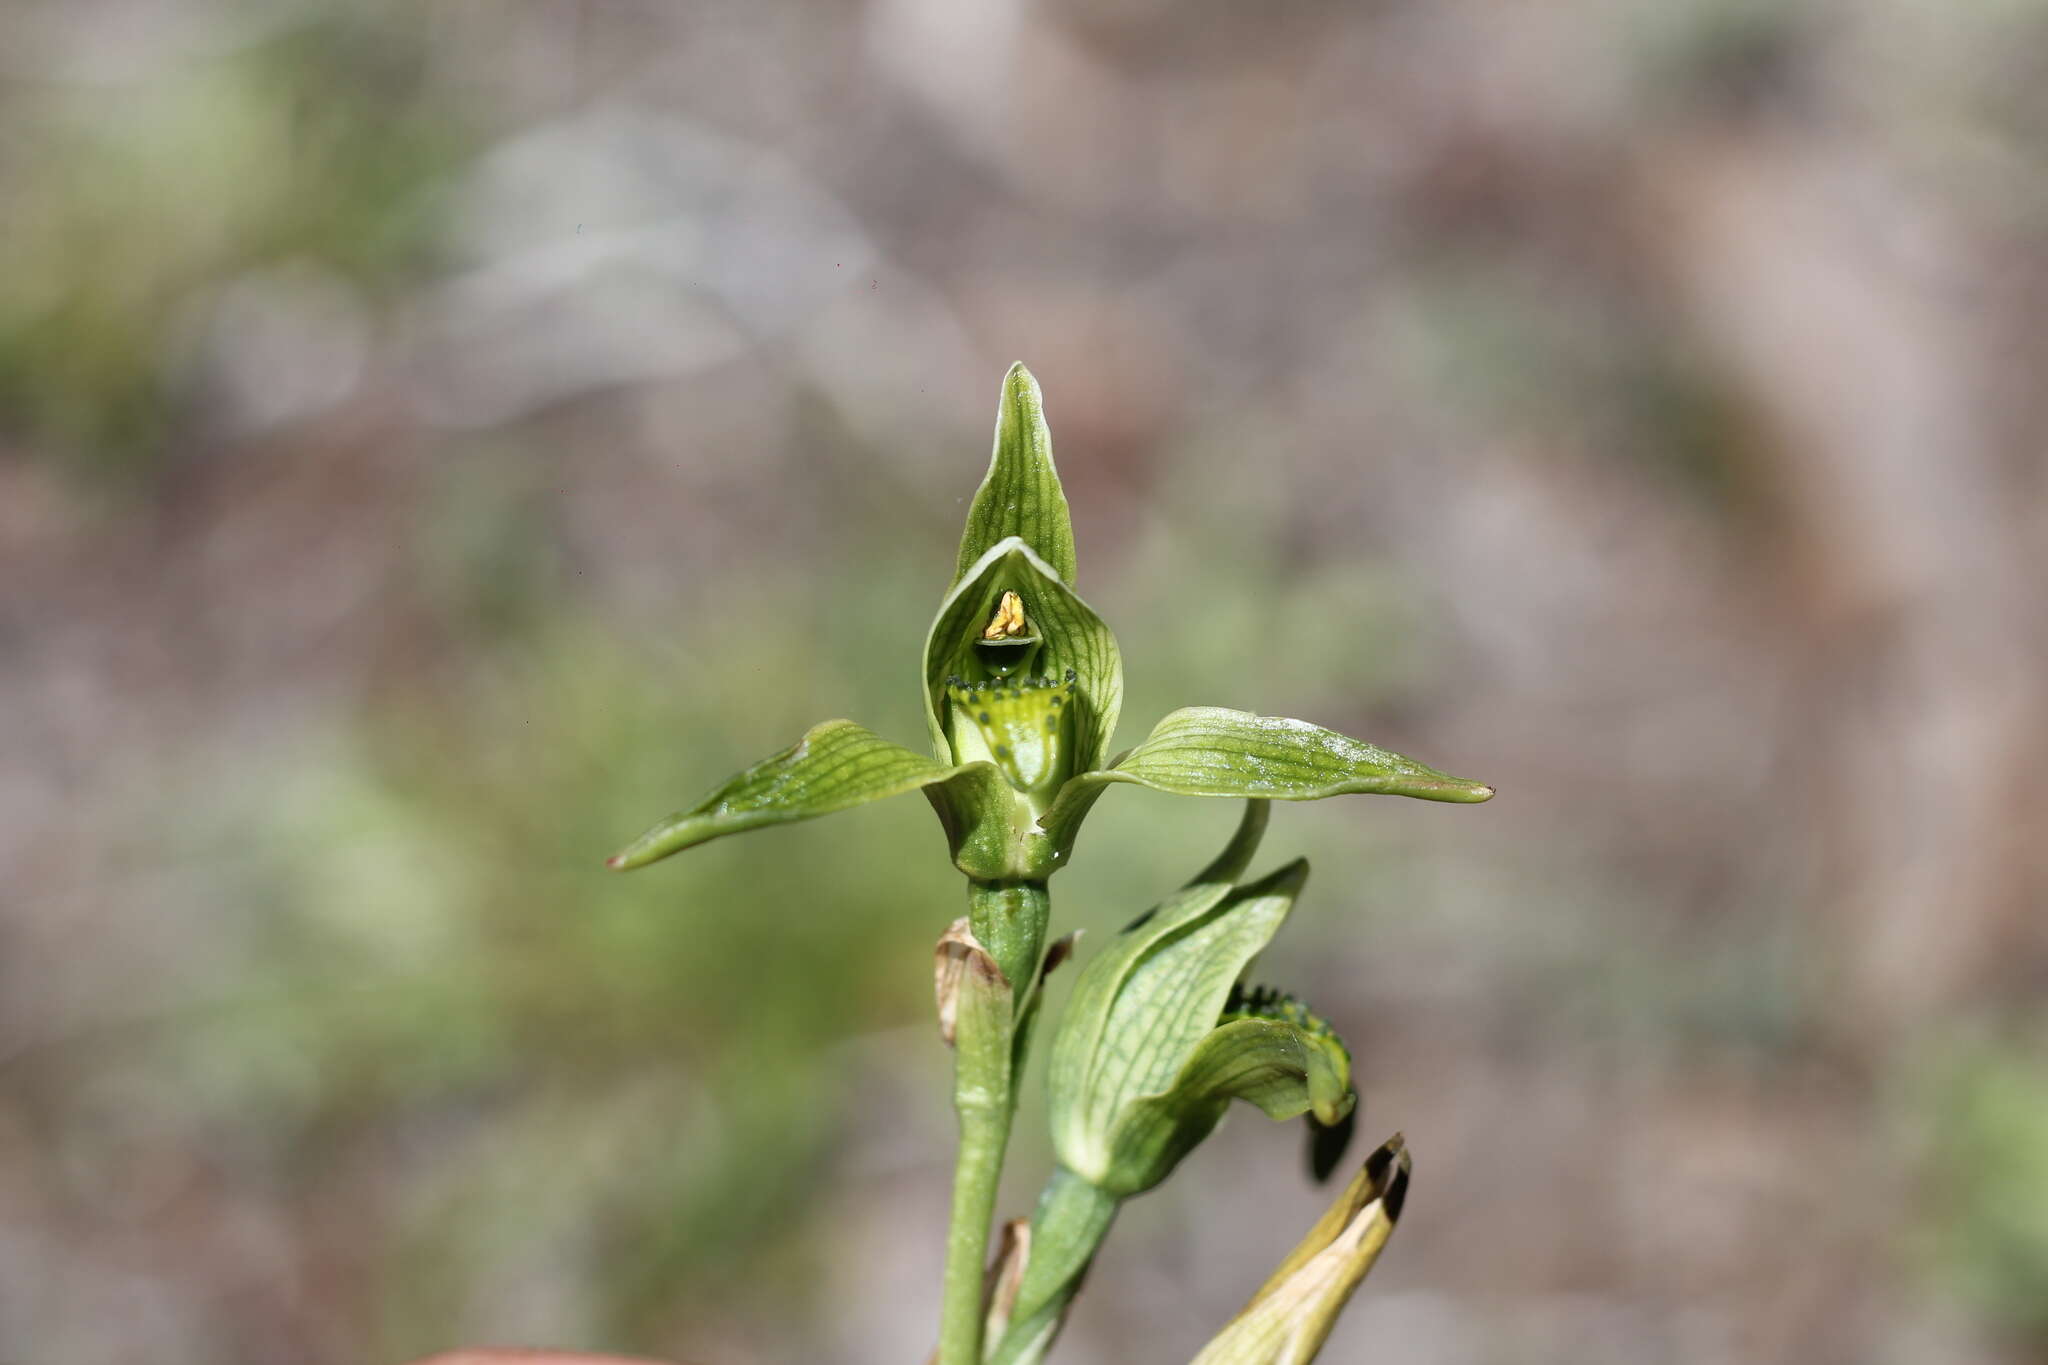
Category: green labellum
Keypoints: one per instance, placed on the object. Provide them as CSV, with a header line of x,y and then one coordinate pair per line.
x,y
1024,726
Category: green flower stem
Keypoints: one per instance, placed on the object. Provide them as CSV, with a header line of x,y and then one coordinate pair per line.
x,y
984,1133
1072,1218
1008,919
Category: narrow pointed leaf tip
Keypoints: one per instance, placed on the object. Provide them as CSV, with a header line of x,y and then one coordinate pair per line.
x,y
836,766
1021,496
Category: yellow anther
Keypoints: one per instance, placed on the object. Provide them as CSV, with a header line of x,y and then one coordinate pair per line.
x,y
1008,622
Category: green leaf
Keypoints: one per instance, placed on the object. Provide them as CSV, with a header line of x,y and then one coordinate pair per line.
x,y
1283,1069
837,765
1087,1020
1142,1009
1021,496
1086,1028
1169,1000
1066,632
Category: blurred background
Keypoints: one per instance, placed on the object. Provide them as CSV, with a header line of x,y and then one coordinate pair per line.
x,y
437,438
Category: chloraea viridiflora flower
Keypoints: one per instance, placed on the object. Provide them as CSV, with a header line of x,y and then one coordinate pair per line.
x,y
1022,685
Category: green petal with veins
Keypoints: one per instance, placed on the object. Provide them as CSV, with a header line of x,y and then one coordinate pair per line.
x,y
1210,751
1021,496
837,765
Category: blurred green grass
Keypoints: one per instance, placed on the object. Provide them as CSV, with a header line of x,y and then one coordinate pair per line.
x,y
322,141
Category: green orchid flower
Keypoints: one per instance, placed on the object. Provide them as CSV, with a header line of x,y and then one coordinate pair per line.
x,y
1022,687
